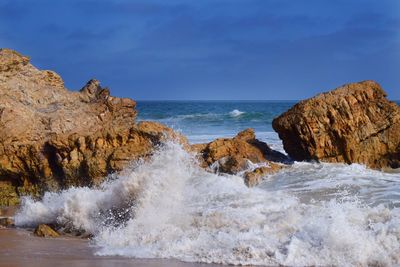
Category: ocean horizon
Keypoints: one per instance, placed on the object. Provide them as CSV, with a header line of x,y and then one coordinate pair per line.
x,y
204,120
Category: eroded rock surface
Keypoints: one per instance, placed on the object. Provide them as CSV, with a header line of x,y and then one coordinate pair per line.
x,y
52,138
354,123
243,155
44,230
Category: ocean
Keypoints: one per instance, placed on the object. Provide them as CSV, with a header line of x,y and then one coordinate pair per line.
x,y
308,214
204,121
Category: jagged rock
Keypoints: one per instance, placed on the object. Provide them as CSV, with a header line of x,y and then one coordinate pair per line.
x,y
12,61
44,230
237,155
52,138
354,123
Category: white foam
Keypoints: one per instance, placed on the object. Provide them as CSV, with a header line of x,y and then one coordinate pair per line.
x,y
173,209
236,113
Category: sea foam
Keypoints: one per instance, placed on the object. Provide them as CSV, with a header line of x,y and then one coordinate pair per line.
x,y
170,208
236,113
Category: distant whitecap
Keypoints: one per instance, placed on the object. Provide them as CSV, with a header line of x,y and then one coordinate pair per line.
x,y
236,113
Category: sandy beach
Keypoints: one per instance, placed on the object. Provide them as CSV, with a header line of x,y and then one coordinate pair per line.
x,y
19,247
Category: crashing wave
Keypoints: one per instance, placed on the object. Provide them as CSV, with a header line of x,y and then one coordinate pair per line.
x,y
168,207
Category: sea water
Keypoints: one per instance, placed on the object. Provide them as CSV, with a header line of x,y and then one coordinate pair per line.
x,y
168,207
204,121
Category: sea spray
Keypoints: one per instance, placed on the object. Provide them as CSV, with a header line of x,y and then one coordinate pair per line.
x,y
173,209
87,208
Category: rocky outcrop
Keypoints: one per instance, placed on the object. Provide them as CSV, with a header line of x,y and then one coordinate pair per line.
x,y
52,138
243,155
355,123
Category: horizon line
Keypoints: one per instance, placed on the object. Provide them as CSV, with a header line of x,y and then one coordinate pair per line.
x,y
252,100
226,100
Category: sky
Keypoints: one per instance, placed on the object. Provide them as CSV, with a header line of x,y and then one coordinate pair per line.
x,y
209,49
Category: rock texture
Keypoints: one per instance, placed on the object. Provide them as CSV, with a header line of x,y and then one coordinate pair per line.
x,y
7,216
353,124
241,155
6,222
52,138
44,230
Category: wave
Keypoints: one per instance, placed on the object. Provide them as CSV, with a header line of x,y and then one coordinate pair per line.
x,y
168,207
236,113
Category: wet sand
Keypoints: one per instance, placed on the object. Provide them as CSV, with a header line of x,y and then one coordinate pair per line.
x,y
19,247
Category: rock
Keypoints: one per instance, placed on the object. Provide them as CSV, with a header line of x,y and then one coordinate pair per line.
x,y
8,195
252,178
8,211
52,138
12,61
237,155
354,123
44,230
6,222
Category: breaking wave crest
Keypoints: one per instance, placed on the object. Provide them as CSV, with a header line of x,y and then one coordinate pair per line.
x,y
236,113
170,208
217,117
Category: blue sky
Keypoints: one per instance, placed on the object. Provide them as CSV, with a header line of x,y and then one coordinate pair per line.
x,y
209,49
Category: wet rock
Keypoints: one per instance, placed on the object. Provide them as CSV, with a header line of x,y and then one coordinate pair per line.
x,y
252,178
52,138
44,230
239,155
6,222
354,123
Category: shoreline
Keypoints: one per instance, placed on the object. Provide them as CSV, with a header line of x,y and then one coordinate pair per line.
x,y
19,247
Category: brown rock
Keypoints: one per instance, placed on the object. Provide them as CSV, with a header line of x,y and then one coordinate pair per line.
x,y
12,61
353,124
8,195
52,138
8,211
254,177
44,230
6,222
235,155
